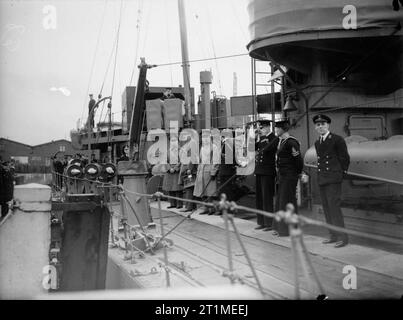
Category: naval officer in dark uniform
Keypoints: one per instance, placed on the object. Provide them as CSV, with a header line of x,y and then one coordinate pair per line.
x,y
333,162
289,167
265,171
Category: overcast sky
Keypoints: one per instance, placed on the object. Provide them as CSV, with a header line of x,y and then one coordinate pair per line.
x,y
46,67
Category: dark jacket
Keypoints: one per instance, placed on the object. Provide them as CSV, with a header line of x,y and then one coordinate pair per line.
x,y
91,105
227,169
265,161
289,159
186,179
333,159
123,158
171,179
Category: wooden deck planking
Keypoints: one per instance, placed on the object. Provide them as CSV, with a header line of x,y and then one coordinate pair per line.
x,y
370,284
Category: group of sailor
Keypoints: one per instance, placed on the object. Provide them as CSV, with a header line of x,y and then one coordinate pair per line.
x,y
278,159
278,168
201,181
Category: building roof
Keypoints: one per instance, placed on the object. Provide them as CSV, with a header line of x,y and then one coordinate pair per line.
x,y
35,146
53,141
23,144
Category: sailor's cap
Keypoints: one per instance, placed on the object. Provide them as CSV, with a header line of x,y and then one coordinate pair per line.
x,y
282,123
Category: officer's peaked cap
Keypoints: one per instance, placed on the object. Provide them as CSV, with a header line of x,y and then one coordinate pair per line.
x,y
264,122
321,118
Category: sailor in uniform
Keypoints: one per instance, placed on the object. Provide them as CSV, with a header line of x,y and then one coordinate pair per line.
x,y
265,172
333,162
289,167
91,105
227,170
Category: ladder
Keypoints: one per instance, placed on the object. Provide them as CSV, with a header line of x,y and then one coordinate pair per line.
x,y
258,70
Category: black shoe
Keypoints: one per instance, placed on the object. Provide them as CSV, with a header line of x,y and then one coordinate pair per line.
x,y
259,227
267,229
170,207
341,243
187,210
331,240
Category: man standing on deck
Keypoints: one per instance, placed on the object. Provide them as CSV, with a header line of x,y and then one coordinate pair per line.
x,y
333,162
289,168
265,171
91,105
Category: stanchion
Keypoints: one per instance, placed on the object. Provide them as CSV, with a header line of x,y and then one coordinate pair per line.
x,y
227,235
322,295
141,227
295,260
158,194
297,238
247,256
123,221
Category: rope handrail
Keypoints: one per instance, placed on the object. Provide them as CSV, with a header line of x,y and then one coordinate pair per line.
x,y
232,206
293,220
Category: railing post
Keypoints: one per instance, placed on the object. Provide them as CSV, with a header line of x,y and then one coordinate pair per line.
x,y
293,231
322,295
247,256
295,260
158,194
227,235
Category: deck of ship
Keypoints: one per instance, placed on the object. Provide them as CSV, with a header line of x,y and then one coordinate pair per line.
x,y
198,258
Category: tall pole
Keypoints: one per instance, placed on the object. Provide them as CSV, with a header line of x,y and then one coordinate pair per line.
x,y
272,96
185,59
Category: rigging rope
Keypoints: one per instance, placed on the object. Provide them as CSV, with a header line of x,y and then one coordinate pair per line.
x,y
146,27
200,42
138,25
117,47
213,47
207,59
109,63
169,42
238,21
93,60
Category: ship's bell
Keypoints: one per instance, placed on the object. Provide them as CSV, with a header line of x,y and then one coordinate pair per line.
x,y
289,105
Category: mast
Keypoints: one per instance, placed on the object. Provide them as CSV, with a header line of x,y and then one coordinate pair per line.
x,y
185,59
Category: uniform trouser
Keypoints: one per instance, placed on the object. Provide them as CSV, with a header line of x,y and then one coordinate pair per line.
x,y
264,198
4,209
330,195
174,202
287,188
188,194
